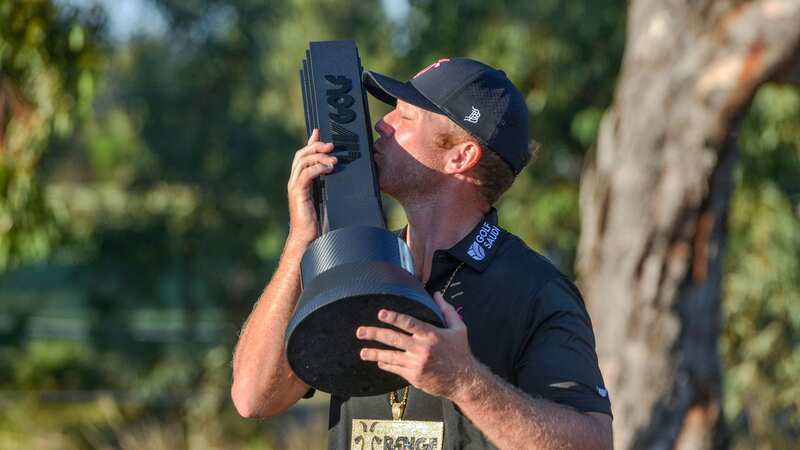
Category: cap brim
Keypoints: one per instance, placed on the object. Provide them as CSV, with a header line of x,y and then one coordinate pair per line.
x,y
388,90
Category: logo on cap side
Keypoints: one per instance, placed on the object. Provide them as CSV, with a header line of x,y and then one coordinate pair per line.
x,y
476,251
473,116
432,66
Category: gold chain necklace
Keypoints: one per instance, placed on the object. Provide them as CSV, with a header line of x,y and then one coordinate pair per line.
x,y
399,406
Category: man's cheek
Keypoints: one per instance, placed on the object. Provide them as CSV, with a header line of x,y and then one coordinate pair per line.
x,y
382,173
381,165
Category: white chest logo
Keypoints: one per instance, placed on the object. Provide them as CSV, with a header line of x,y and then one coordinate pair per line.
x,y
473,116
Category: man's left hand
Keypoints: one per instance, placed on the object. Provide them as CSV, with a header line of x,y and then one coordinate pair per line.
x,y
435,360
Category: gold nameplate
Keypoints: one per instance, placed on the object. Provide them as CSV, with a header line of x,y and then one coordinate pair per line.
x,y
370,434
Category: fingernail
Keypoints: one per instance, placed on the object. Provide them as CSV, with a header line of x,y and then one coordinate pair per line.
x,y
382,314
360,332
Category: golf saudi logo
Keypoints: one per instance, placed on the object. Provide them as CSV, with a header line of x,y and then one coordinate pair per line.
x,y
476,251
484,240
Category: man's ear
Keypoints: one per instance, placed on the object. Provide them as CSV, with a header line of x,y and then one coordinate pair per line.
x,y
463,157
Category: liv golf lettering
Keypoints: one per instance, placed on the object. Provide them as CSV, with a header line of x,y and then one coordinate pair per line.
x,y
345,142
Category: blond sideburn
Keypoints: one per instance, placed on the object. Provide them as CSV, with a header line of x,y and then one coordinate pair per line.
x,y
493,175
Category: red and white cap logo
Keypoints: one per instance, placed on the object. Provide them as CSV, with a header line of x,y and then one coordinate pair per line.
x,y
432,66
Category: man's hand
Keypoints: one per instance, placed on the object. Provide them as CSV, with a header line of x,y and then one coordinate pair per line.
x,y
434,360
309,162
263,383
439,362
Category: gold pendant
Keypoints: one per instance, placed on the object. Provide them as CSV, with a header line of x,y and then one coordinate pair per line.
x,y
398,409
370,434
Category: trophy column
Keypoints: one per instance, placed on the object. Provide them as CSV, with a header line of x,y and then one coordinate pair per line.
x,y
356,267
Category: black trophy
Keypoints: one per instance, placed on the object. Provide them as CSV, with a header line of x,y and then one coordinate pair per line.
x,y
356,266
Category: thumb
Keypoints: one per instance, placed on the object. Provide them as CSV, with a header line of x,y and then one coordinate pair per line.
x,y
451,317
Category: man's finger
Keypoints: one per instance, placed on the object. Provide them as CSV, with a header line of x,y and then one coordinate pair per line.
x,y
391,338
393,357
316,147
313,171
310,161
314,136
404,322
397,370
451,316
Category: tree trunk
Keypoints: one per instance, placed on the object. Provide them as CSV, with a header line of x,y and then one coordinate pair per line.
x,y
654,200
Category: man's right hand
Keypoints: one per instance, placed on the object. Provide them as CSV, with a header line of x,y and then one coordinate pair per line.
x,y
309,162
263,383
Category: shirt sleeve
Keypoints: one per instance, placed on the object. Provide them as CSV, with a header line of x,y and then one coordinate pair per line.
x,y
558,361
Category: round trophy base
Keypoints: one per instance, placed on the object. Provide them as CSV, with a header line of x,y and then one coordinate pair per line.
x,y
321,343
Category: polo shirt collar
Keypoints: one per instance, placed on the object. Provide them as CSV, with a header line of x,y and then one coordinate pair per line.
x,y
480,245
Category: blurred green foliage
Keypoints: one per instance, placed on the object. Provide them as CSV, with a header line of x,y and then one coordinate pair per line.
x,y
143,208
49,60
761,313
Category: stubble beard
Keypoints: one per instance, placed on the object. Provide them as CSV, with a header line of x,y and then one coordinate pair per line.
x,y
408,184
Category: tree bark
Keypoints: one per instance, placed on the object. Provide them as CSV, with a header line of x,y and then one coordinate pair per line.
x,y
654,201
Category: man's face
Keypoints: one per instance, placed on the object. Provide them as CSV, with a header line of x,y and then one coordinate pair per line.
x,y
408,159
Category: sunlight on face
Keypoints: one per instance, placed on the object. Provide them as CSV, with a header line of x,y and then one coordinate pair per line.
x,y
408,158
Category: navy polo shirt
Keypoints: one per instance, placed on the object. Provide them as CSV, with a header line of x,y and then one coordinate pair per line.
x,y
526,321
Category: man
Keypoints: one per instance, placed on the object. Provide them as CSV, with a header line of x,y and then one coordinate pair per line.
x,y
515,365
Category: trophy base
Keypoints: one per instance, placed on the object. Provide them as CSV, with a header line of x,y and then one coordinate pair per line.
x,y
321,343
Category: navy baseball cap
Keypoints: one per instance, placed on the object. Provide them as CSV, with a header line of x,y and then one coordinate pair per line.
x,y
480,98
